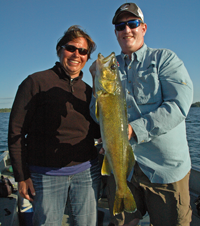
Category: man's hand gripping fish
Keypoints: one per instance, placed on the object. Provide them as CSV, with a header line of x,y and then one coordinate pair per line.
x,y
112,116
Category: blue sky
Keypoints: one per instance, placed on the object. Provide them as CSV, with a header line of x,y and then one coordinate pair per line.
x,y
30,30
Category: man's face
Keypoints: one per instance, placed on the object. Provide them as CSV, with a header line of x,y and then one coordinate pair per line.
x,y
73,62
129,39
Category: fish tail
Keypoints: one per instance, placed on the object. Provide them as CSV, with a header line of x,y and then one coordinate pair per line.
x,y
129,202
126,203
118,204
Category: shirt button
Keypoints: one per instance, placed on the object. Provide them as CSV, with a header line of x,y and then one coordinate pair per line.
x,y
129,106
129,92
129,81
129,67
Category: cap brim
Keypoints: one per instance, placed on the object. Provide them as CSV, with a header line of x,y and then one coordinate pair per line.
x,y
116,16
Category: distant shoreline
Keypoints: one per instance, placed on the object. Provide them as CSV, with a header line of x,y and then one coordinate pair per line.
x,y
197,104
5,110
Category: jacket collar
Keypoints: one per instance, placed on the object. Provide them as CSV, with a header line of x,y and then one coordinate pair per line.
x,y
61,72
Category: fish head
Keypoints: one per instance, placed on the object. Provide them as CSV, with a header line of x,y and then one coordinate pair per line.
x,y
107,75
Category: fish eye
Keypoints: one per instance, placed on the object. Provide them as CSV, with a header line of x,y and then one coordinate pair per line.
x,y
113,67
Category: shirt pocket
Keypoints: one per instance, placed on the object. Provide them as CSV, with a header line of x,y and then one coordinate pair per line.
x,y
146,85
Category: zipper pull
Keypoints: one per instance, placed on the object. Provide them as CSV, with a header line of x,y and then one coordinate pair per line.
x,y
71,85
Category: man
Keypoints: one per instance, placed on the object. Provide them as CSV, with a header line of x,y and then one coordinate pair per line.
x,y
159,93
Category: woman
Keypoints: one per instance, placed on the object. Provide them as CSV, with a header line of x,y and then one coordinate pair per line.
x,y
51,137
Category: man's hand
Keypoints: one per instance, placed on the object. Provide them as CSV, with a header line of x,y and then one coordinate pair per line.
x,y
24,186
131,133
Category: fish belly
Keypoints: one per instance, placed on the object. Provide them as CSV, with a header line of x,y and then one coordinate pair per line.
x,y
119,157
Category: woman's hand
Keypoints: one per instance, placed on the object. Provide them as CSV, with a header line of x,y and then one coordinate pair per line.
x,y
24,186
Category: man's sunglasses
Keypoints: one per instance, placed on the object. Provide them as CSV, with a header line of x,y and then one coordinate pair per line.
x,y
131,23
72,49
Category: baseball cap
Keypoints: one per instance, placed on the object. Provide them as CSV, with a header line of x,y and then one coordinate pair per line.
x,y
131,8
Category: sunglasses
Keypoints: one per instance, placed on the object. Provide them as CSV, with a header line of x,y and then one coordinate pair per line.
x,y
72,49
131,23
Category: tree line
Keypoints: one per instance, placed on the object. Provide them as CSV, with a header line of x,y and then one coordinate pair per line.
x,y
4,110
197,104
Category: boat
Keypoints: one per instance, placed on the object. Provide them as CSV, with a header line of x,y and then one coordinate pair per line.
x,y
13,214
195,195
8,205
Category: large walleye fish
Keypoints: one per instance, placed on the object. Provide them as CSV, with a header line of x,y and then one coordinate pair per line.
x,y
112,116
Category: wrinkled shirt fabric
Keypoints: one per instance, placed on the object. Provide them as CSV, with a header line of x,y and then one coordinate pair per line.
x,y
159,93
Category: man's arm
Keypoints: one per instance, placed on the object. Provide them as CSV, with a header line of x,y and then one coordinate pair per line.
x,y
177,95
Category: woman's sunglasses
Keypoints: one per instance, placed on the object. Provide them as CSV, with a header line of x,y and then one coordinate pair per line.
x,y
72,49
131,23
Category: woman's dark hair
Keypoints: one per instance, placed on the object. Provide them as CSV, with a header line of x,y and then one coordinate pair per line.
x,y
75,32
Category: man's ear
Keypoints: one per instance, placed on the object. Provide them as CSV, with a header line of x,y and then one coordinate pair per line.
x,y
144,28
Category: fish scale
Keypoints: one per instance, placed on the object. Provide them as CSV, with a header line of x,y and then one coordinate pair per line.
x,y
112,116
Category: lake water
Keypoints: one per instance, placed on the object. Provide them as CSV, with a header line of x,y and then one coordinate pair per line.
x,y
4,118
193,134
192,124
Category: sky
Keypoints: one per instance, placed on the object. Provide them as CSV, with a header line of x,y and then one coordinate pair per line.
x,y
30,30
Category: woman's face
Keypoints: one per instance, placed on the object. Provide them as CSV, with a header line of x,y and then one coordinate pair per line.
x,y
73,62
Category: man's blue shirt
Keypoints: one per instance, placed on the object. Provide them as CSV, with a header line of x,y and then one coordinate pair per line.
x,y
159,94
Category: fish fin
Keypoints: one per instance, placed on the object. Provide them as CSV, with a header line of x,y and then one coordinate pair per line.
x,y
105,169
97,110
129,202
131,161
126,203
118,206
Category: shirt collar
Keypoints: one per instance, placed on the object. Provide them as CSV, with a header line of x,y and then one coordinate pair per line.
x,y
139,54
